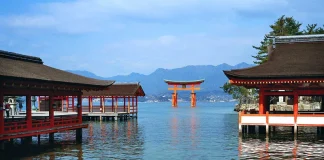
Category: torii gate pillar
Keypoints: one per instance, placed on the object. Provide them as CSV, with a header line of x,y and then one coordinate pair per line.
x,y
185,85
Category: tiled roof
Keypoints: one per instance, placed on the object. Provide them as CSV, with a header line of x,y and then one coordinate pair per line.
x,y
287,60
17,66
119,89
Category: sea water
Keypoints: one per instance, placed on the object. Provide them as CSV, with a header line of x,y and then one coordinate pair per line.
x,y
208,131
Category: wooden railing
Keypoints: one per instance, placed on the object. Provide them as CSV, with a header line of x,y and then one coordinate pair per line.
x,y
41,124
15,126
109,109
65,121
20,125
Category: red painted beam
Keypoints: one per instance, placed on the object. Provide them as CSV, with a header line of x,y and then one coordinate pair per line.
x,y
261,101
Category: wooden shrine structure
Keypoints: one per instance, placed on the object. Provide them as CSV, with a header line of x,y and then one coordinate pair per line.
x,y
294,68
109,101
22,75
184,86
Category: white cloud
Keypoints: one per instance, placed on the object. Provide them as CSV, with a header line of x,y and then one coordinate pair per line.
x,y
86,16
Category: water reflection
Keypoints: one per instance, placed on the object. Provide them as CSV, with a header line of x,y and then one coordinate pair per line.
x,y
174,130
186,127
193,127
101,140
109,140
281,146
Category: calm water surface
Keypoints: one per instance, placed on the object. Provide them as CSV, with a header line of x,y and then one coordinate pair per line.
x,y
208,131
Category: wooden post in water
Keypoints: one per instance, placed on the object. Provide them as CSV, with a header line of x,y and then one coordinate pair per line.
x,y
38,139
51,138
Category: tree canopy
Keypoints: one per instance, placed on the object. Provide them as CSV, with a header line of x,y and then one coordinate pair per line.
x,y
284,26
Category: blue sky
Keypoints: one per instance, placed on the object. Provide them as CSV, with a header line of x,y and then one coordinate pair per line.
x,y
117,37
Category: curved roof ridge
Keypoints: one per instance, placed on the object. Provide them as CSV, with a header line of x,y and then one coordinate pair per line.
x,y
21,57
126,83
299,38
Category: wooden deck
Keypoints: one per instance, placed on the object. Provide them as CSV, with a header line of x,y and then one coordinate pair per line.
x,y
85,115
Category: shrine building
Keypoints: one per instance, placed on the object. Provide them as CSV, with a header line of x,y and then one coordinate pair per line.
x,y
294,69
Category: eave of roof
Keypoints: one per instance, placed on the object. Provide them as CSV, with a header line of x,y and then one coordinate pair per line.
x,y
119,89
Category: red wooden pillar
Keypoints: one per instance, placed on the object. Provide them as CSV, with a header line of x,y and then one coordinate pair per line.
x,y
100,97
112,103
136,103
261,101
73,104
28,112
295,106
132,104
79,108
1,113
128,108
67,103
103,104
116,109
62,103
51,111
89,103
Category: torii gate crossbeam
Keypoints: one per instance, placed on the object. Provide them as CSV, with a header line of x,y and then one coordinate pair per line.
x,y
184,86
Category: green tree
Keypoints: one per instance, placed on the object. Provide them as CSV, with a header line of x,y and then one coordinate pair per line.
x,y
284,26
313,29
238,92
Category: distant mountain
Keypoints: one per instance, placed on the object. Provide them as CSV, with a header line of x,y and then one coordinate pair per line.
x,y
154,84
86,74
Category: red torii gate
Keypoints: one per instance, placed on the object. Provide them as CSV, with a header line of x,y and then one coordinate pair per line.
x,y
185,86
